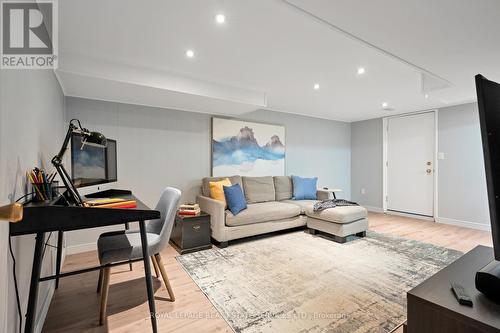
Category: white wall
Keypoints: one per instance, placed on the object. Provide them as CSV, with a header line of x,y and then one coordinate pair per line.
x,y
462,197
160,147
31,130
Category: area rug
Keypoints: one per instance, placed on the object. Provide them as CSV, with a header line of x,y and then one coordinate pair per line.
x,y
297,282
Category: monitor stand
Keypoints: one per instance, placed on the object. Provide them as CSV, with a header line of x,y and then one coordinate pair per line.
x,y
109,193
488,281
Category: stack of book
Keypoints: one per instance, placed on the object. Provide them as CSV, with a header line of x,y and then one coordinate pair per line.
x,y
189,209
111,203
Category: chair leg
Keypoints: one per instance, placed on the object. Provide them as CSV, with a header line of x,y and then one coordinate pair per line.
x,y
99,282
104,295
155,266
165,277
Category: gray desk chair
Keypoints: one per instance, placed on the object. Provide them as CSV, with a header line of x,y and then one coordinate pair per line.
x,y
114,247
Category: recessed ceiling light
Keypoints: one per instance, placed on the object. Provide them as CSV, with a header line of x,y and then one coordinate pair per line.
x,y
316,86
361,70
385,105
220,18
426,96
189,53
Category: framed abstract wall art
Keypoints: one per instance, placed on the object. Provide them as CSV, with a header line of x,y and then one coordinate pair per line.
x,y
247,148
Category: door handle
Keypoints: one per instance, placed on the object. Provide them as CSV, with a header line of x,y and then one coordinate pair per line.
x,y
429,171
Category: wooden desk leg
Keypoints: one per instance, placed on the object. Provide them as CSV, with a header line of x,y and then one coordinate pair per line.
x,y
35,277
59,256
149,280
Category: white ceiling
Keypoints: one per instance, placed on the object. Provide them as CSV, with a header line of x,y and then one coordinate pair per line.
x,y
269,54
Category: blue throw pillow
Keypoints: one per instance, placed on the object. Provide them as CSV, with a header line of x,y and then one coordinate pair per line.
x,y
234,198
304,188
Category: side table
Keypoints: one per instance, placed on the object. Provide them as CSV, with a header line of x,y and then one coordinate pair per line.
x,y
191,233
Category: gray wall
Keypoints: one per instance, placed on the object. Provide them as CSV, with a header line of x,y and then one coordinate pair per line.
x,y
462,182
4,227
462,197
366,163
159,147
31,129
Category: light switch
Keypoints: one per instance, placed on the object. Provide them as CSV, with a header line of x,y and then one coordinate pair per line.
x,y
440,156
363,191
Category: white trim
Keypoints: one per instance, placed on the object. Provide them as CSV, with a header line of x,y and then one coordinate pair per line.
x,y
81,248
384,163
373,209
465,224
413,216
384,158
435,162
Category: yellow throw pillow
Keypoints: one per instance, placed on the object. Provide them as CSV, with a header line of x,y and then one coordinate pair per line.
x,y
217,190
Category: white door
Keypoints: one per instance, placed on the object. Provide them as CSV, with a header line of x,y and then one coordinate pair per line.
x,y
410,164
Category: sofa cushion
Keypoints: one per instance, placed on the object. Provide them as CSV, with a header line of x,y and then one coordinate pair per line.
x,y
217,190
303,204
304,188
258,189
234,198
262,212
283,187
344,214
205,189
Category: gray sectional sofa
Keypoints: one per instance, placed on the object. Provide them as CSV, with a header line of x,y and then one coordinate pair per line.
x,y
271,208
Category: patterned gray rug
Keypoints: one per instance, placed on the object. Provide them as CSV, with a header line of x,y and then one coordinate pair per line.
x,y
297,282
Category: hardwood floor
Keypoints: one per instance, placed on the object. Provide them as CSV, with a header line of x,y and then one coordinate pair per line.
x,y
457,238
75,306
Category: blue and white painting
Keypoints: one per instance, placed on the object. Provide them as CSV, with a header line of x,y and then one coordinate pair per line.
x,y
247,149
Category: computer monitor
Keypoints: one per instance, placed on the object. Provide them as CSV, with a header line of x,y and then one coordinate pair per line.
x,y
91,165
488,98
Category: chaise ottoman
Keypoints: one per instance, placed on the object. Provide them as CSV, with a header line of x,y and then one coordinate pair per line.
x,y
339,222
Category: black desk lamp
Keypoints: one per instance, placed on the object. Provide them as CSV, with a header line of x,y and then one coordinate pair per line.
x,y
89,138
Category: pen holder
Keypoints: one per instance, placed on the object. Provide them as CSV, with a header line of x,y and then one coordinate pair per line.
x,y
45,191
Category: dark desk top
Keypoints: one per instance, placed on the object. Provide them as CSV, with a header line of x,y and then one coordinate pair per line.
x,y
46,217
436,291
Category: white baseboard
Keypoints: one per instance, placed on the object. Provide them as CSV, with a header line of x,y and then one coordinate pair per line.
x,y
413,216
81,248
373,209
466,224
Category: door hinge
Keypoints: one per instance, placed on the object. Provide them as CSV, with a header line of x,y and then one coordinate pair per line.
x,y
386,163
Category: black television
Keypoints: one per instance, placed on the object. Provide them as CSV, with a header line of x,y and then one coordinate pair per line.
x,y
488,99
91,165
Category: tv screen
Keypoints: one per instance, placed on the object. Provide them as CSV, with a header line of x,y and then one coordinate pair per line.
x,y
488,99
91,165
